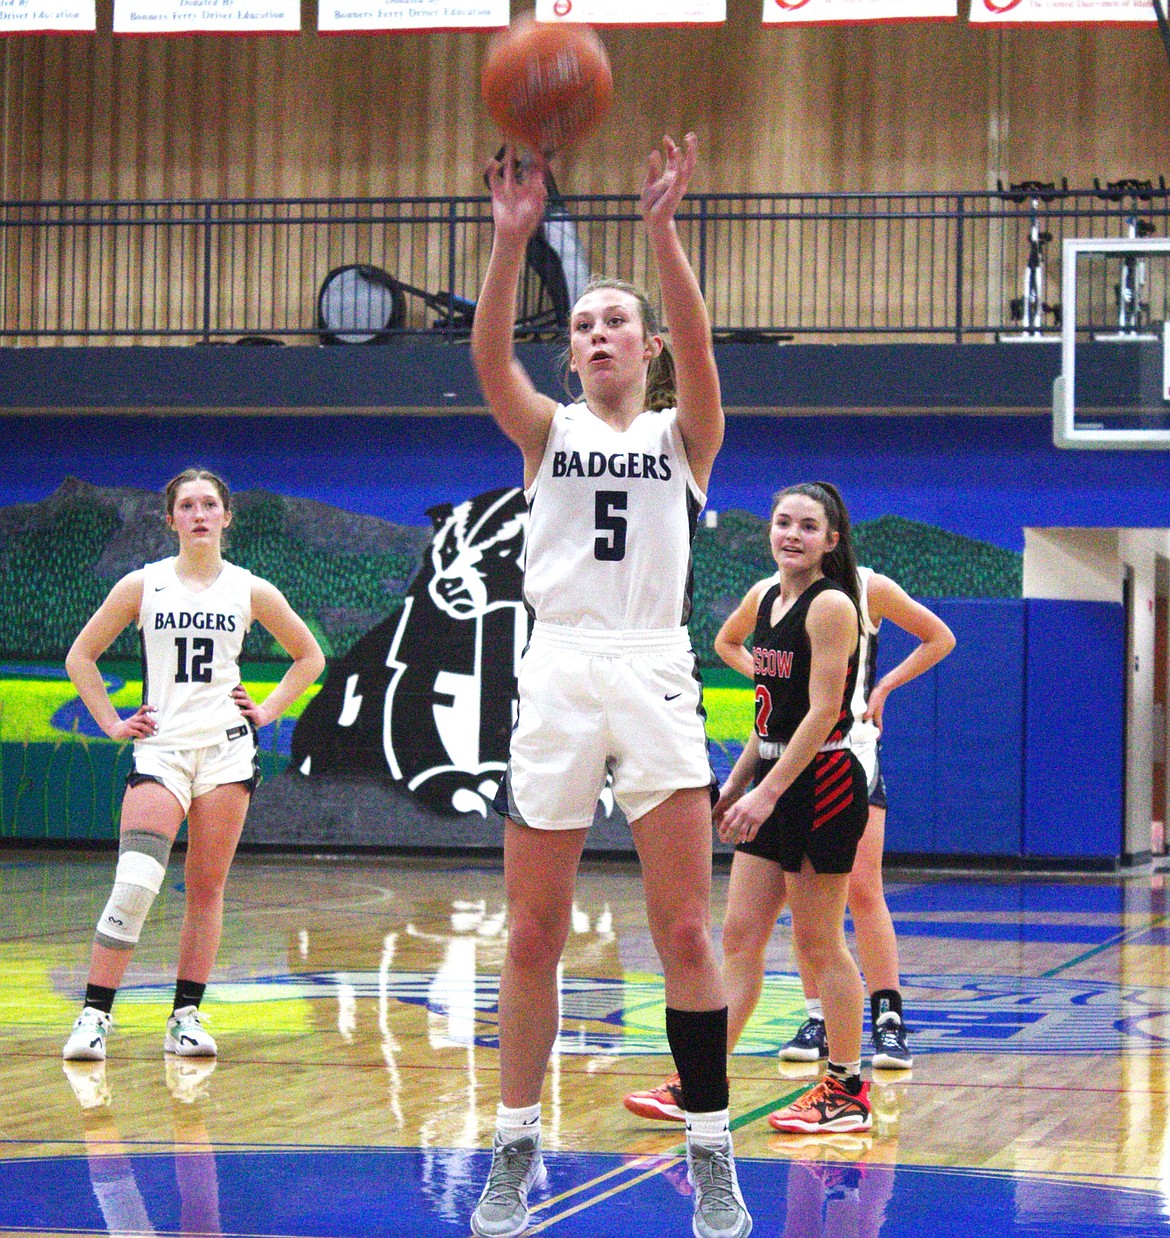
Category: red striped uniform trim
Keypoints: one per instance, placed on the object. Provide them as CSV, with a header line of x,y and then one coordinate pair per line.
x,y
833,788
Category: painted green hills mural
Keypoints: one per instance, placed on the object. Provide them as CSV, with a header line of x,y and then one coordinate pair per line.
x,y
345,572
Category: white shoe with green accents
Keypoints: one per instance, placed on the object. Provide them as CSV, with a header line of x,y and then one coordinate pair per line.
x,y
187,1036
87,1040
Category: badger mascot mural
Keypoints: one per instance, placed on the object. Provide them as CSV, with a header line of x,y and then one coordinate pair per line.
x,y
428,696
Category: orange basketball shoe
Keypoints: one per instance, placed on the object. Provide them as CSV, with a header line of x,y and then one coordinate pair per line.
x,y
663,1103
827,1107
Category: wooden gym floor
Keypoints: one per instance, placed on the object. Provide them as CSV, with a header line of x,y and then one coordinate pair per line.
x,y
355,1009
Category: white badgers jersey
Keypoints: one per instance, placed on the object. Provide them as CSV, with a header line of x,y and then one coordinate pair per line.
x,y
191,645
865,732
612,516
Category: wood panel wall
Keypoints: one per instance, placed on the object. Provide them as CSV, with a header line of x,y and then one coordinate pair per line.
x,y
901,107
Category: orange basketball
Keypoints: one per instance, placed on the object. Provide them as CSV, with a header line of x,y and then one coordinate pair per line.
x,y
546,85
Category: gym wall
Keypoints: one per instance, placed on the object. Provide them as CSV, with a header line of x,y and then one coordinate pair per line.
x,y
927,106
338,511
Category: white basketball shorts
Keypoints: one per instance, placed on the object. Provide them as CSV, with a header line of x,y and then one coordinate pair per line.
x,y
630,703
188,773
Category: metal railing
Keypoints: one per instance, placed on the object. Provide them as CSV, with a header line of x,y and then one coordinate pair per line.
x,y
806,266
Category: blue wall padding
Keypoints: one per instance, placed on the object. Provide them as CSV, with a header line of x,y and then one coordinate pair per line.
x,y
908,750
980,749
953,741
1074,768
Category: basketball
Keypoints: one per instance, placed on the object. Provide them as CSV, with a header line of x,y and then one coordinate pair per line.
x,y
546,85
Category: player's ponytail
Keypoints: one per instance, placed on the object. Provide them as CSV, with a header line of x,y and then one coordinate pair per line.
x,y
840,564
660,378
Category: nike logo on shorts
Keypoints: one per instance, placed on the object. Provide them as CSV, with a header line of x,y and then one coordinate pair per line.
x,y
673,697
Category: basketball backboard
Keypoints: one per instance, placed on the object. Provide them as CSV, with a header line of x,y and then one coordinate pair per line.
x,y
1114,386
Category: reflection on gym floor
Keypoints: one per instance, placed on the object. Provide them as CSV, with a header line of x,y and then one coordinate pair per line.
x,y
355,1010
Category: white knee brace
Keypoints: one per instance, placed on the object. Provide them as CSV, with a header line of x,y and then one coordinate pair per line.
x,y
142,865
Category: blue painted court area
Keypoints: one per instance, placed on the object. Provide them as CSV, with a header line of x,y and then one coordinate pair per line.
x,y
1035,897
416,1193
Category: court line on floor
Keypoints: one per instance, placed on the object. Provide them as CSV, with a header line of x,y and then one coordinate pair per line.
x,y
1119,940
667,1161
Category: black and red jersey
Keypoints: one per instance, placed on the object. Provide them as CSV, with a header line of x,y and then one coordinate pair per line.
x,y
782,657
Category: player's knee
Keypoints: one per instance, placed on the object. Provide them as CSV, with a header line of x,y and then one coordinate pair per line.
x,y
686,940
743,936
535,941
204,893
865,895
817,947
142,865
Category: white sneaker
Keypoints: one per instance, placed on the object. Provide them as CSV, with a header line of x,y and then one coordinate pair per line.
x,y
719,1208
88,1081
502,1211
187,1036
87,1040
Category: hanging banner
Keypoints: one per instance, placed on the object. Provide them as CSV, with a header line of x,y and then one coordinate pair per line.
x,y
206,16
376,16
48,16
634,12
1067,12
810,12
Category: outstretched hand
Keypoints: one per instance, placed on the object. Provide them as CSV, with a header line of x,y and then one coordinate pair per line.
x,y
668,173
518,193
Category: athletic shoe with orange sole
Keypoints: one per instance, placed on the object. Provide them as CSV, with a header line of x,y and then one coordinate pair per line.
x,y
662,1104
827,1107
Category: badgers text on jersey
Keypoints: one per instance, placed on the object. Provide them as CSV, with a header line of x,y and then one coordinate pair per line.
x,y
612,515
191,645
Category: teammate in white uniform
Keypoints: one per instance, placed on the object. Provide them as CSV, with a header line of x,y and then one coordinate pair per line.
x,y
609,682
194,746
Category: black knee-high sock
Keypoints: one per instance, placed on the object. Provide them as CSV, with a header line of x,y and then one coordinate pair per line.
x,y
881,1002
188,993
99,997
698,1040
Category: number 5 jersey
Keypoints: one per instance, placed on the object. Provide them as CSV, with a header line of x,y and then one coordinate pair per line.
x,y
191,645
612,516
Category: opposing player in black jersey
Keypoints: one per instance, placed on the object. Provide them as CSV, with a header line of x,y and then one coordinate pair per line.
x,y
194,746
877,945
615,483
797,828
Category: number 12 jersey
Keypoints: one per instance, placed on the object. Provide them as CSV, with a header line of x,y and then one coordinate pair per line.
x,y
191,644
612,517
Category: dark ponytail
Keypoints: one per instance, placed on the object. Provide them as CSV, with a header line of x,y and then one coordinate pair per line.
x,y
660,378
840,564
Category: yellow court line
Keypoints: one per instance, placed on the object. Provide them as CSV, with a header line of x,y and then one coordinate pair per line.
x,y
629,1167
668,1161
617,1190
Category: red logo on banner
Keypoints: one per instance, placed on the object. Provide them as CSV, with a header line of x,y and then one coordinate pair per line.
x,y
562,8
1000,6
789,5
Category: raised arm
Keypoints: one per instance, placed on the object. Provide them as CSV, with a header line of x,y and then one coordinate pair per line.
x,y
522,412
120,609
737,629
700,404
271,609
888,600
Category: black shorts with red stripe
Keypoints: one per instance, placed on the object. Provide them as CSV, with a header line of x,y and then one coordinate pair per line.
x,y
822,815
